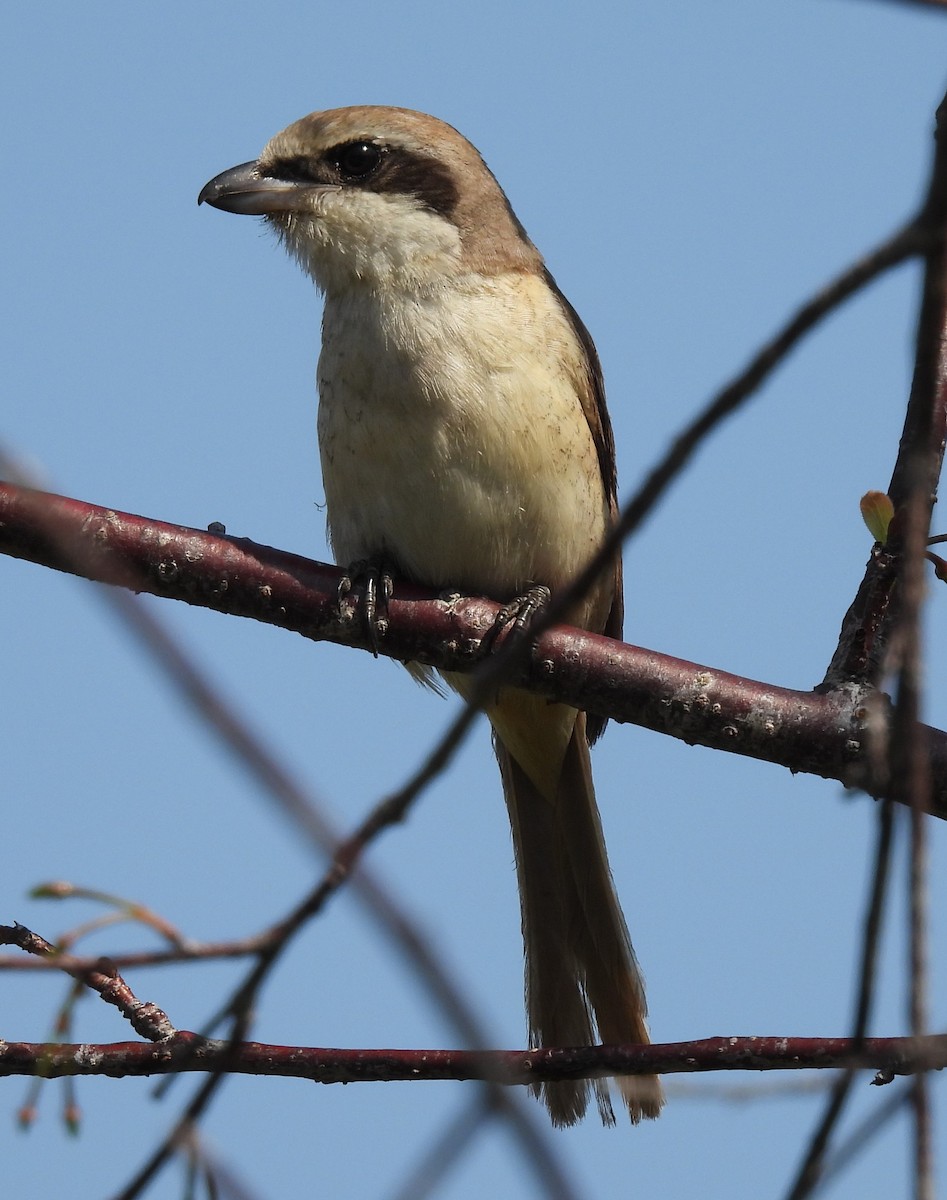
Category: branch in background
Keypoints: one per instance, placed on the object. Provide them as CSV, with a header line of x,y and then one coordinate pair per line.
x,y
147,1019
444,1153
873,615
188,1052
919,461
941,4
895,1099
812,1170
193,952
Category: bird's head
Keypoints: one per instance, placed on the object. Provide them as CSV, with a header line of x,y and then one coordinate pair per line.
x,y
379,197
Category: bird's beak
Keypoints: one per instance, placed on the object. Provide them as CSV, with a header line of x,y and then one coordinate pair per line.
x,y
244,190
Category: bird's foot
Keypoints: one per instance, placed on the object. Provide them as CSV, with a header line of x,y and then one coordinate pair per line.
x,y
372,576
520,613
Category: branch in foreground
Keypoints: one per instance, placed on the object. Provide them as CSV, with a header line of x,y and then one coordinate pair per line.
x,y
823,734
188,1052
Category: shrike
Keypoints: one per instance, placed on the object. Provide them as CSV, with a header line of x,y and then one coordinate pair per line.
x,y
465,443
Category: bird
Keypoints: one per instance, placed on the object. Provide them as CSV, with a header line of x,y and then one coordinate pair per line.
x,y
465,443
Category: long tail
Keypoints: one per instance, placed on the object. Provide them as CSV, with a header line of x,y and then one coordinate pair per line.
x,y
581,972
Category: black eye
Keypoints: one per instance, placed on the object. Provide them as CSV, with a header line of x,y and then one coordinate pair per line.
x,y
356,160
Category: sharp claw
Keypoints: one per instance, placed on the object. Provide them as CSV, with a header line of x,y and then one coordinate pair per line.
x,y
369,611
520,612
373,609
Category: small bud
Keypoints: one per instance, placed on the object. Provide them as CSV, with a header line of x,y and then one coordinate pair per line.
x,y
57,889
26,1117
877,513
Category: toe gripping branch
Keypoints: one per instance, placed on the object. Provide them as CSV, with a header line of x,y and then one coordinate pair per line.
x,y
373,577
520,613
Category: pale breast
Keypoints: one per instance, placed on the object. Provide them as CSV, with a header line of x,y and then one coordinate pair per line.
x,y
452,436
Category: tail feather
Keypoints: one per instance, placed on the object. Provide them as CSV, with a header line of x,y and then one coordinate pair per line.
x,y
581,973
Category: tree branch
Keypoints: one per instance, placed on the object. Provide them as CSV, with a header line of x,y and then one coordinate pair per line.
x,y
825,733
868,625
146,1018
189,1052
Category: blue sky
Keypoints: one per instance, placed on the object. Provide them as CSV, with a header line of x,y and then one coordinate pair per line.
x,y
691,173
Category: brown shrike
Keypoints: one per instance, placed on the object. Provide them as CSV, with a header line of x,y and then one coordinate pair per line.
x,y
465,443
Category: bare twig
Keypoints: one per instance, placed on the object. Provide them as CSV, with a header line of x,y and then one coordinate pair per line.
x,y
910,774
191,1053
812,1167
147,1019
216,1173
873,615
918,470
444,1152
192,952
941,4
123,910
862,1134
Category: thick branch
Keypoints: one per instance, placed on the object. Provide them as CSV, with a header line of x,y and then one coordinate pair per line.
x,y
189,1052
821,734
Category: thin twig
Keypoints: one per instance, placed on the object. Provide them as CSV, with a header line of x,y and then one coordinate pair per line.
x,y
147,1019
813,1163
910,768
921,453
868,625
187,1052
940,4
216,1172
193,952
863,1133
443,1153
